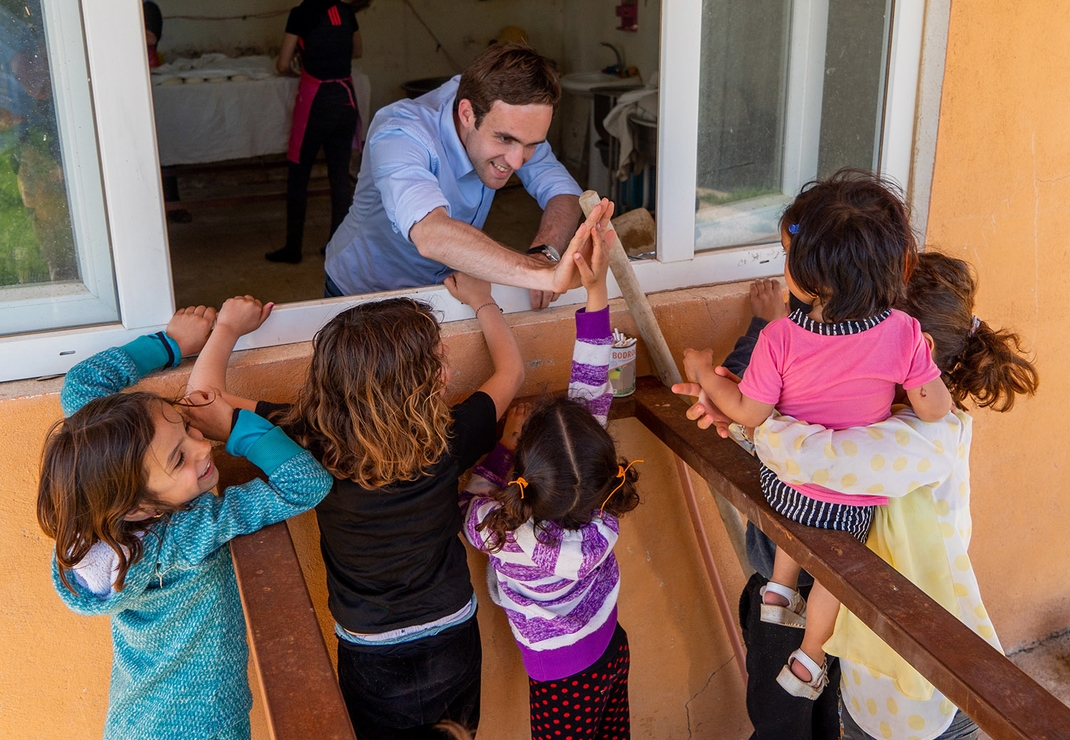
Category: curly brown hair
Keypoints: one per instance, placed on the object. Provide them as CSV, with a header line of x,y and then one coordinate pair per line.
x,y
570,467
976,361
372,410
93,474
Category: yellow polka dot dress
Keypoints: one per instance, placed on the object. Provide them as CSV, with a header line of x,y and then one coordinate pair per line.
x,y
923,532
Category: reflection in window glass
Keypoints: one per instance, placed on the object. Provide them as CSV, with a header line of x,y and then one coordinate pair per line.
x,y
55,266
789,91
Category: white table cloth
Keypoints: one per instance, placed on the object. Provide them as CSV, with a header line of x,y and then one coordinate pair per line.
x,y
216,108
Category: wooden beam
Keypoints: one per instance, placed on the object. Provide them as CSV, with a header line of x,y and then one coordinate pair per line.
x,y
995,693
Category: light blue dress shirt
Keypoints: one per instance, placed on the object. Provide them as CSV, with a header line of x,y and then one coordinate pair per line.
x,y
414,162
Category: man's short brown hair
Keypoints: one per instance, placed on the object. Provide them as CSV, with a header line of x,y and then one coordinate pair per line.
x,y
512,73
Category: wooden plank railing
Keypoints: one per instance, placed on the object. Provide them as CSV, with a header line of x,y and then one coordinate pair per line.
x,y
302,697
995,693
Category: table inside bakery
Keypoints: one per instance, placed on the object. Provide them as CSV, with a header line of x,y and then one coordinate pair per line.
x,y
216,108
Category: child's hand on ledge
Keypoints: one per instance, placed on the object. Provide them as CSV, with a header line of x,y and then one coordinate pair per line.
x,y
243,314
190,327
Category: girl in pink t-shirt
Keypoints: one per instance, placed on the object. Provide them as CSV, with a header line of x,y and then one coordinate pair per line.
x,y
849,251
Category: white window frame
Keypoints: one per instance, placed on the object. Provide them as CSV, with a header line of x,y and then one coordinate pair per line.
x,y
678,126
122,107
122,101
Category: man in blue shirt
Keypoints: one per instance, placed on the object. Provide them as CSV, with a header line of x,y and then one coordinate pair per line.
x,y
430,170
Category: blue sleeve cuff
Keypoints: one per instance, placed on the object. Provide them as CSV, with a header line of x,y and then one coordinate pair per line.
x,y
262,443
153,352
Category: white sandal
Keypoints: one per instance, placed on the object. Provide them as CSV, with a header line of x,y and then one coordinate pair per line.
x,y
792,615
795,685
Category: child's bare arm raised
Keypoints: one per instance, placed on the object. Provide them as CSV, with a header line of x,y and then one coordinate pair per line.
x,y
722,391
237,317
508,373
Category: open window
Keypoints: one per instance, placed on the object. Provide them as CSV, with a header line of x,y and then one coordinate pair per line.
x,y
755,99
766,96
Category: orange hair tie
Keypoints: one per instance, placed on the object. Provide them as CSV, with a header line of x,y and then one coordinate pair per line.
x,y
521,483
621,470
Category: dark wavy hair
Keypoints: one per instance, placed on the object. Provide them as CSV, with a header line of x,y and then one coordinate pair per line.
x,y
570,464
512,73
93,474
851,244
979,362
372,409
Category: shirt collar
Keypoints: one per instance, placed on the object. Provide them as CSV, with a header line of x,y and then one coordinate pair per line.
x,y
456,154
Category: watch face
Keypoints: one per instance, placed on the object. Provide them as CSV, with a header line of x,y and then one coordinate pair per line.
x,y
547,251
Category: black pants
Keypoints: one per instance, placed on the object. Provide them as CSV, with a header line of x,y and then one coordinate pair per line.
x,y
332,122
776,714
399,692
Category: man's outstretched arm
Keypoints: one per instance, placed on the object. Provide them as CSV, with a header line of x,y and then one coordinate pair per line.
x,y
467,249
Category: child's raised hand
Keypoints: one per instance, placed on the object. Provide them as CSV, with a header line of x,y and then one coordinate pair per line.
x,y
565,277
243,314
470,291
190,328
593,273
209,413
514,422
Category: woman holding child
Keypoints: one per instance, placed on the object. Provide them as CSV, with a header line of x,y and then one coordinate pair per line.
x,y
924,529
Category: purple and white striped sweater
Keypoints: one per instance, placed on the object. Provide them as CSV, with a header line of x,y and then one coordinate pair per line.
x,y
561,600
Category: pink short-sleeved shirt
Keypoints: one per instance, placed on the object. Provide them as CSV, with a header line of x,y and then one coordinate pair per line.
x,y
837,375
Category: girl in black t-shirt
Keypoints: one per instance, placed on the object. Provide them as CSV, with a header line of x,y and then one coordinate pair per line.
x,y
373,412
325,34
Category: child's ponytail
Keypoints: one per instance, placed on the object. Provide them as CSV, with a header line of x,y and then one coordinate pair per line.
x,y
976,360
516,508
991,369
621,495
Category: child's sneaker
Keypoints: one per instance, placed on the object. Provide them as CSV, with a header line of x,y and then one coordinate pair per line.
x,y
792,615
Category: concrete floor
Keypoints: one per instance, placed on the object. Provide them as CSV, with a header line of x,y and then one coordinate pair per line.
x,y
220,253
1047,663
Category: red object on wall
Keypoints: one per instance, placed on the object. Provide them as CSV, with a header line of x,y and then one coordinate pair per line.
x,y
628,12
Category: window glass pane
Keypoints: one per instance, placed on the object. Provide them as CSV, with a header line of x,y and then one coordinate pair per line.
x,y
55,263
788,91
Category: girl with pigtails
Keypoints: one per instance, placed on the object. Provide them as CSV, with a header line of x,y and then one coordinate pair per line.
x,y
549,527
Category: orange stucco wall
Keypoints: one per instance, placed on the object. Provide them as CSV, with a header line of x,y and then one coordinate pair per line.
x,y
56,665
999,200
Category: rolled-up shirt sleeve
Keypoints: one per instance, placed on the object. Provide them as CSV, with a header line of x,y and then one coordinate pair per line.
x,y
405,170
544,177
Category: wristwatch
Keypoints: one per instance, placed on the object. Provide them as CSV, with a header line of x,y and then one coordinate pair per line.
x,y
547,251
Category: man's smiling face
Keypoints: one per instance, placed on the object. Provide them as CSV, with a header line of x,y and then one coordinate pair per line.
x,y
504,140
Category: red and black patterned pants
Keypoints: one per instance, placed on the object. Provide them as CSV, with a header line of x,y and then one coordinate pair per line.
x,y
590,704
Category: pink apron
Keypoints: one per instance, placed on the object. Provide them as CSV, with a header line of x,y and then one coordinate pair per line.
x,y
306,93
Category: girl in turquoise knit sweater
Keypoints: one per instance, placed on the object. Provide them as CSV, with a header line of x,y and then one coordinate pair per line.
x,y
124,492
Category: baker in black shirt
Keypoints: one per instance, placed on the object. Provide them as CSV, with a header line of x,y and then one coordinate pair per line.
x,y
326,36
